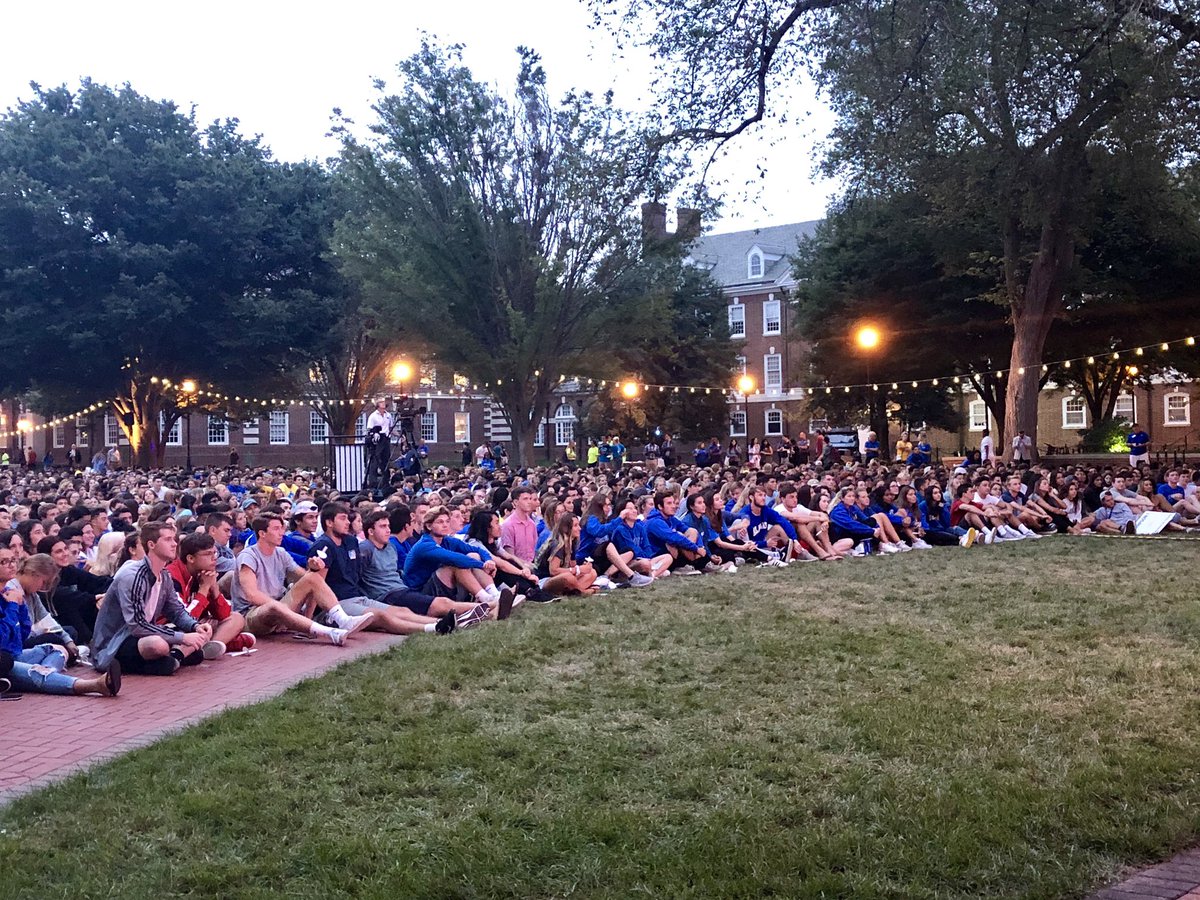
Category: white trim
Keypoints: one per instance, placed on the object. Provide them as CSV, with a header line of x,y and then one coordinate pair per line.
x,y
462,416
973,410
58,436
777,305
250,431
777,385
273,421
1186,409
318,428
740,319
767,415
428,432
1132,415
756,256
539,439
737,416
218,426
1074,419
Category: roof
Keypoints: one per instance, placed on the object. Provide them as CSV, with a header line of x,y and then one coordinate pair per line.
x,y
725,255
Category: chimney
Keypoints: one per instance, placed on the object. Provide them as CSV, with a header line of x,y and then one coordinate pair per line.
x,y
654,223
687,228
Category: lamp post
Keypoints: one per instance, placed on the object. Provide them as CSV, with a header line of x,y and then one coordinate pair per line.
x,y
868,337
188,387
401,372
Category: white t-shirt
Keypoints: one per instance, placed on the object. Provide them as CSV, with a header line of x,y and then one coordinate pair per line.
x,y
383,420
986,448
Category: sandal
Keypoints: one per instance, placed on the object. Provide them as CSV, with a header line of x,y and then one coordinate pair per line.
x,y
112,678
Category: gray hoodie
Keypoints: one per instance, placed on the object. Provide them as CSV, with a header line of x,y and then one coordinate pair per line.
x,y
123,612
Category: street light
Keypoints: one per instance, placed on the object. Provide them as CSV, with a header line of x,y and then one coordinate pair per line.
x,y
629,389
401,372
745,385
868,337
188,387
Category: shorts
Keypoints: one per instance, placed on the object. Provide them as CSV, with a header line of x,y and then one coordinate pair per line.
x,y
409,599
353,606
1134,459
133,663
435,588
258,621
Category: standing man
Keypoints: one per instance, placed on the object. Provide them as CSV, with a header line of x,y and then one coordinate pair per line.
x,y
1139,446
1022,446
987,449
379,443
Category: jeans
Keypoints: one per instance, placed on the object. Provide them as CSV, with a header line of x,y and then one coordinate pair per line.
x,y
25,678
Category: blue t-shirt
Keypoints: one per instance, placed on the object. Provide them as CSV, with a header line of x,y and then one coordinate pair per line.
x,y
344,575
1172,494
1138,441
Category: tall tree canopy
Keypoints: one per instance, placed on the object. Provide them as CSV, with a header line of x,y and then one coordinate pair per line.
x,y
134,243
496,232
976,105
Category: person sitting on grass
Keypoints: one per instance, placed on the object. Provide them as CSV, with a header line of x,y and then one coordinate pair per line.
x,y
1031,518
512,571
695,519
666,534
891,542
908,507
441,565
1111,517
1171,496
40,668
732,540
768,530
274,594
811,525
629,539
194,576
595,542
936,520
339,550
560,574
141,597
849,521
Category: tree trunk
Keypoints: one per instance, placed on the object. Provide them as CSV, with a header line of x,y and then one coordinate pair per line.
x,y
137,412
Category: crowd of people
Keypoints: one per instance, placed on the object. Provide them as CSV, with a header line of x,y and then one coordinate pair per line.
x,y
124,572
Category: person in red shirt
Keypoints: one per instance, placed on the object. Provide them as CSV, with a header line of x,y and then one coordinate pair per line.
x,y
194,572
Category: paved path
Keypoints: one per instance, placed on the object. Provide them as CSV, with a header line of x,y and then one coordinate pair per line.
x,y
89,730
1178,877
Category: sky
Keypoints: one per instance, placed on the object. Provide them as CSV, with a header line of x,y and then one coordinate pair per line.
x,y
281,69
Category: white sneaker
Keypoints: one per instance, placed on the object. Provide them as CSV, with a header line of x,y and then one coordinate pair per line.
x,y
858,550
603,581
968,539
337,636
729,568
213,650
640,580
357,623
1031,535
920,544
902,547
989,535
885,547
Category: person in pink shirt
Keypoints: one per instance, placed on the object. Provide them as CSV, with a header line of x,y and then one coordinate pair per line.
x,y
518,534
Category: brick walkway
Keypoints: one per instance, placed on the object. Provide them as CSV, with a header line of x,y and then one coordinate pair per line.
x,y
1176,878
89,730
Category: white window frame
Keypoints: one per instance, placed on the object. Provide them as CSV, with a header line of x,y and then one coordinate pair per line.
x,y
539,439
318,428
114,434
1186,409
273,423
564,424
737,423
768,316
777,383
251,431
464,418
217,424
1130,416
977,416
428,432
58,436
737,317
173,438
360,426
1074,419
755,256
773,416
739,365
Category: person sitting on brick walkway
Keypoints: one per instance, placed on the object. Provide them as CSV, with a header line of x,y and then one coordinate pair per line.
x,y
275,594
194,574
38,668
141,597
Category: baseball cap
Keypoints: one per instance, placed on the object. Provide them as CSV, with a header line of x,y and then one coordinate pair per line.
x,y
304,507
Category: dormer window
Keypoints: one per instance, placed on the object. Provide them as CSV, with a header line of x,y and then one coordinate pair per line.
x,y
754,264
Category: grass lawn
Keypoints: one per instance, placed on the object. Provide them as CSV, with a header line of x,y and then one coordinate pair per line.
x,y
1013,721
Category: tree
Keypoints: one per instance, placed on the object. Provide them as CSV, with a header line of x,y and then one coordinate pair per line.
x,y
134,245
497,232
990,106
677,338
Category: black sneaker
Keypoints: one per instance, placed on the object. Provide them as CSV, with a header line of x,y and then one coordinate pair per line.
x,y
506,603
1130,528
446,624
537,595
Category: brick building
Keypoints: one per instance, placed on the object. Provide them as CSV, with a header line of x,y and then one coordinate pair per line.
x,y
754,271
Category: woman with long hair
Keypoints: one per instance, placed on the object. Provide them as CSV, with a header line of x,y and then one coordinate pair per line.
x,y
558,570
484,531
41,667
108,552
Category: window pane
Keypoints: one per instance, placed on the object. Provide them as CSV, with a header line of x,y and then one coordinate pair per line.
x,y
462,427
428,428
278,428
737,423
317,429
737,321
774,421
978,415
218,431
772,323
773,368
